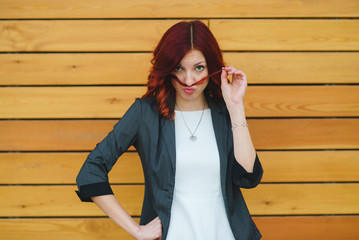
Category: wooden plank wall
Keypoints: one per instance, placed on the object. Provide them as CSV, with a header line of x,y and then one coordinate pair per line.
x,y
69,70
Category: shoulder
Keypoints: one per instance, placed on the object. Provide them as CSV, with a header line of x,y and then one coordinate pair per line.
x,y
141,111
147,105
146,101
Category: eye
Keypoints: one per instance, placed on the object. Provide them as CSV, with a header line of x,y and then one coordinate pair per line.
x,y
199,68
178,68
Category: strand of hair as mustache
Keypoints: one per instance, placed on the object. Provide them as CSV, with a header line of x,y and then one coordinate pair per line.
x,y
197,82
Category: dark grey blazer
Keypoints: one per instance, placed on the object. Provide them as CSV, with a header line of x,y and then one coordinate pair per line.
x,y
154,139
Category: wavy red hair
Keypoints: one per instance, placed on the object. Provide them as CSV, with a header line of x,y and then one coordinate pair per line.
x,y
173,46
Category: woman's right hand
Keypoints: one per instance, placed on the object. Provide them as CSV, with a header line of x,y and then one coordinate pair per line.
x,y
150,231
109,204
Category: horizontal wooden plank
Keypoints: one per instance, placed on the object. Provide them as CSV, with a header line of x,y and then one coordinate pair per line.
x,y
305,133
310,166
283,199
308,228
133,68
67,102
274,35
86,35
58,135
112,102
302,101
272,228
266,199
297,67
128,35
62,201
168,9
74,69
62,228
62,168
82,135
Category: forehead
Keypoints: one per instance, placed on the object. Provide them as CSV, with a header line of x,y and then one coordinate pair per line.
x,y
193,57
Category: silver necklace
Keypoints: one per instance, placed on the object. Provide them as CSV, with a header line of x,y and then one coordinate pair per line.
x,y
193,138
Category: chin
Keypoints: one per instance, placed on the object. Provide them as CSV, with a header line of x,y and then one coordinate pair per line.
x,y
188,97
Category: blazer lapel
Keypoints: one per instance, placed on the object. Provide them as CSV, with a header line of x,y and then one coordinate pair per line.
x,y
168,133
221,132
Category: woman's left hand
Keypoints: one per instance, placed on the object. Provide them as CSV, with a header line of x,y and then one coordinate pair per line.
x,y
233,93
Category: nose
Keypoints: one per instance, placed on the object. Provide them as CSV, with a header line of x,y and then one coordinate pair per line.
x,y
189,79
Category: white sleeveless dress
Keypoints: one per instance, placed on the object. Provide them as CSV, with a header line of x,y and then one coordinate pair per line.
x,y
198,211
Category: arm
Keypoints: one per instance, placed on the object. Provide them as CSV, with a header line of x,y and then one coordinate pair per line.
x,y
244,151
92,179
233,94
110,205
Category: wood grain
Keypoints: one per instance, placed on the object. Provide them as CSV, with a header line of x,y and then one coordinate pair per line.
x,y
112,102
74,69
62,201
296,67
293,199
84,35
266,199
134,35
310,166
62,168
133,68
60,228
305,133
82,135
302,101
272,228
170,9
67,102
288,35
279,166
308,228
58,135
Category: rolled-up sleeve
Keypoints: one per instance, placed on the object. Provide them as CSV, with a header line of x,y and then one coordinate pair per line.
x,y
244,179
92,179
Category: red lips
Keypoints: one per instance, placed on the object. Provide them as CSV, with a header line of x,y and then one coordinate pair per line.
x,y
188,90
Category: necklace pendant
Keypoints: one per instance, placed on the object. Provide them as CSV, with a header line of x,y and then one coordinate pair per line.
x,y
193,138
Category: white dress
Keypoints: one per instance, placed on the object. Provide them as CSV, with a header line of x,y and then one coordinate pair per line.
x,y
198,208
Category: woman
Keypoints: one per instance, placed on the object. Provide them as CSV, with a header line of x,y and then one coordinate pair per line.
x,y
191,134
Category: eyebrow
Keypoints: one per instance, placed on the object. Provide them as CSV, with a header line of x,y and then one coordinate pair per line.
x,y
201,62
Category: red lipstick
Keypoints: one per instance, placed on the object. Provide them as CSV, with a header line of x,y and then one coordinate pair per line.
x,y
189,90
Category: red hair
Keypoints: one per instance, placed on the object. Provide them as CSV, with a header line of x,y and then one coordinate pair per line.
x,y
173,46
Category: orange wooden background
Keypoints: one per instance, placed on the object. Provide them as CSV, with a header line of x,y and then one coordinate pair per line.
x,y
69,70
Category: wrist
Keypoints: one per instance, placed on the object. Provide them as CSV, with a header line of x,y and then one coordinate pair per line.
x,y
239,124
136,231
235,106
237,112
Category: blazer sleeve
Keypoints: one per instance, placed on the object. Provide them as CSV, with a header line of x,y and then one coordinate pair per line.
x,y
243,179
92,179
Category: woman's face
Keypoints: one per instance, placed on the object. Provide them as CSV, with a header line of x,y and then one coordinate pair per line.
x,y
192,68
